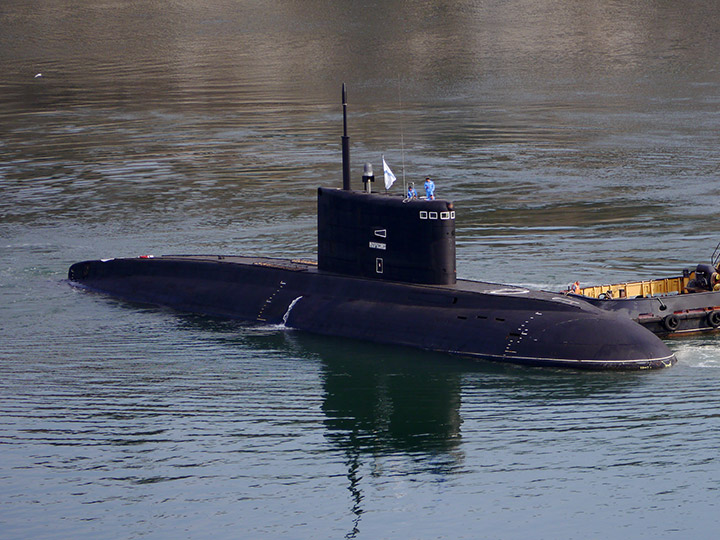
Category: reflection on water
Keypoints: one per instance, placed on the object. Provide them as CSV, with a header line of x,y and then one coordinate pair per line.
x,y
379,402
383,404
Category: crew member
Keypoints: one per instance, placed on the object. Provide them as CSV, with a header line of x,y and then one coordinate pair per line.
x,y
429,189
412,194
575,288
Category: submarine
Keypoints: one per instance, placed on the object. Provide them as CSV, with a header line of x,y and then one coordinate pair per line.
x,y
385,272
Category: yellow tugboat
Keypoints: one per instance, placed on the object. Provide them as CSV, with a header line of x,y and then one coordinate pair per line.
x,y
666,306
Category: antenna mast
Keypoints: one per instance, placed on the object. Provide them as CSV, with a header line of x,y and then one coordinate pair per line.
x,y
402,143
345,144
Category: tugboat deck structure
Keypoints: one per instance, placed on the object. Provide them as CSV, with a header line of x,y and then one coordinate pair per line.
x,y
670,306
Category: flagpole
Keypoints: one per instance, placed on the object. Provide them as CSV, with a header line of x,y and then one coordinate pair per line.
x,y
384,174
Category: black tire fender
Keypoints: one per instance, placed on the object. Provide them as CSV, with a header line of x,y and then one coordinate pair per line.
x,y
713,318
671,322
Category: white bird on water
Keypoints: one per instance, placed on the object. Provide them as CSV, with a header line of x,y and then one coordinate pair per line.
x,y
38,75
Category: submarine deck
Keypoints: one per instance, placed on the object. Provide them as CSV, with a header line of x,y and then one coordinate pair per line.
x,y
310,266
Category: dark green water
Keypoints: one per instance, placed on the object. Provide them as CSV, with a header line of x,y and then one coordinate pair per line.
x,y
578,141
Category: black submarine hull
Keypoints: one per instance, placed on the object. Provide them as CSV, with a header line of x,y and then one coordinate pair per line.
x,y
469,318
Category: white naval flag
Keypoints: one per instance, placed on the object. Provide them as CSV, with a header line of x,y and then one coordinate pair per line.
x,y
389,176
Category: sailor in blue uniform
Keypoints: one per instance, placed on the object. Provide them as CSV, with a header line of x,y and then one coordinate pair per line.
x,y
429,189
411,194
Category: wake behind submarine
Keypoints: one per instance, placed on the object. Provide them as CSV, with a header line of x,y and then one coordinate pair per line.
x,y
385,272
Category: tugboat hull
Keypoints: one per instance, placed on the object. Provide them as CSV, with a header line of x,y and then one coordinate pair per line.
x,y
669,306
481,320
668,315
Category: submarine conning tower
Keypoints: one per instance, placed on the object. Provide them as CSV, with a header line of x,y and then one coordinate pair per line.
x,y
383,236
380,236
